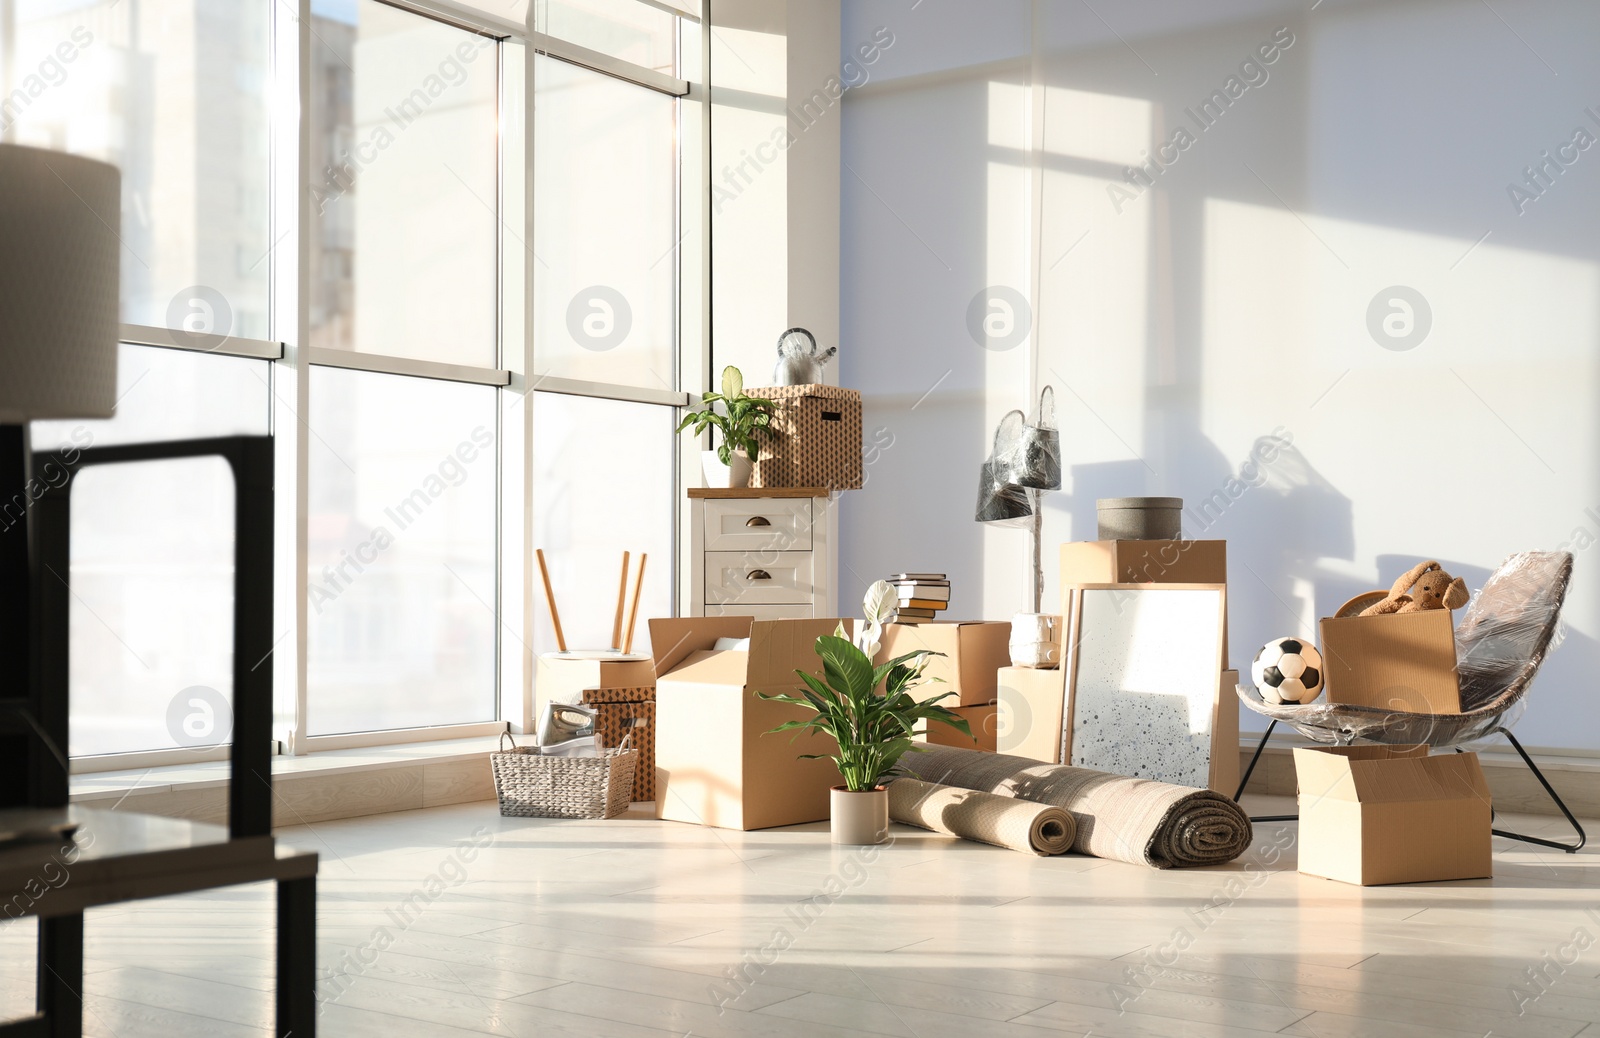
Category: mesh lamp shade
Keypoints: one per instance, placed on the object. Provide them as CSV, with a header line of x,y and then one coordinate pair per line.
x,y
59,219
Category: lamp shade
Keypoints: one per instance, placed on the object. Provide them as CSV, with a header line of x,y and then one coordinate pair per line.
x,y
60,217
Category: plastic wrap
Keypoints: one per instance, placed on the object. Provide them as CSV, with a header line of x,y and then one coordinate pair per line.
x,y
1034,461
1500,642
1000,501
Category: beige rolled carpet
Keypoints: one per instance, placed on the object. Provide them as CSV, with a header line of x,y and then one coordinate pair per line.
x,y
1003,821
1126,819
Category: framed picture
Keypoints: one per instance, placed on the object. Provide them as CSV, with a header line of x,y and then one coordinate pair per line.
x,y
1144,668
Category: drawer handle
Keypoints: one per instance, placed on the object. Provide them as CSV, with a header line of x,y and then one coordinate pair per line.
x,y
758,574
757,520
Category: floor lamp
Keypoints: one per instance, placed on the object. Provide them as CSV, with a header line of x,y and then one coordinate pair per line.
x,y
60,217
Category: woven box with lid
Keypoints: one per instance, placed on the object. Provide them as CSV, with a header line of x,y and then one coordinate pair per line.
x,y
818,442
624,712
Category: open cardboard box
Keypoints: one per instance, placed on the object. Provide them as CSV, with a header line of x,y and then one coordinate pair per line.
x,y
715,764
1398,661
1392,814
973,652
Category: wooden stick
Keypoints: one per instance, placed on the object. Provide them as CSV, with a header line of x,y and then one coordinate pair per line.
x,y
550,596
633,614
622,600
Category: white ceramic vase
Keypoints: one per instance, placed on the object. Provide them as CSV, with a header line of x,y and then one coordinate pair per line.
x,y
1036,641
859,819
734,474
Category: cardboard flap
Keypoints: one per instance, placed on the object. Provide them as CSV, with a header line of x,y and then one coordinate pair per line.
x,y
778,648
712,667
1446,776
674,639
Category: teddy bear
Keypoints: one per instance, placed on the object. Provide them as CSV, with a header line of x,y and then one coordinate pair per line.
x,y
799,359
1424,586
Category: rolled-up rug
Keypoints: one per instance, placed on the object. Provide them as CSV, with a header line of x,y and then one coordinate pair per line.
x,y
972,815
1125,819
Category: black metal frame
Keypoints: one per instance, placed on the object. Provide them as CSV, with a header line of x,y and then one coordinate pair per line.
x,y
1570,848
41,606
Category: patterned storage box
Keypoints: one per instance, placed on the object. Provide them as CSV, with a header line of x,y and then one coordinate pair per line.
x,y
818,442
629,711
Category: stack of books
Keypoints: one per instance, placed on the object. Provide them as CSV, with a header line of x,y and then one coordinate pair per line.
x,y
923,596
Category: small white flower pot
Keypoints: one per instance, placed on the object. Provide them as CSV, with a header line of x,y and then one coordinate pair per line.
x,y
859,819
735,474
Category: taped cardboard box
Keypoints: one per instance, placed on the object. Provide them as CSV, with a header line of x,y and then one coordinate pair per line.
x,y
973,652
1372,815
563,677
624,712
1399,661
982,721
1031,707
818,442
715,764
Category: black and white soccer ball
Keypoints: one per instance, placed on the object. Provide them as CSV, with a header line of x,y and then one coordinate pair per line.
x,y
1288,670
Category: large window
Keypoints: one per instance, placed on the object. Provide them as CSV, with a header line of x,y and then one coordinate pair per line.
x,y
469,347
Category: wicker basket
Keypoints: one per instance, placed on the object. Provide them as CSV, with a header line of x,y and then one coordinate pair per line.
x,y
531,785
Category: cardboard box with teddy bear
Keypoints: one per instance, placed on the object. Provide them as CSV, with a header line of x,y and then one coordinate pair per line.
x,y
1397,651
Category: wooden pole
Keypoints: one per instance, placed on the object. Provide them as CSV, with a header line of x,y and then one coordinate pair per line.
x,y
622,601
550,596
633,614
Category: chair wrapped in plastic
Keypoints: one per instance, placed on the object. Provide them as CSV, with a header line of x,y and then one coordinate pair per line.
x,y
1500,643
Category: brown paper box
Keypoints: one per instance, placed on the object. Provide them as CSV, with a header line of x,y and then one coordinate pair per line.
x,y
981,719
558,680
1030,714
1400,661
715,764
1146,562
1225,737
818,442
1392,814
636,721
973,655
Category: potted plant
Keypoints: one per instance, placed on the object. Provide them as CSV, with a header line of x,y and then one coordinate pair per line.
x,y
873,730
742,418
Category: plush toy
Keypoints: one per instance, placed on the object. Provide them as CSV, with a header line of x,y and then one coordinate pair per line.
x,y
1424,586
800,361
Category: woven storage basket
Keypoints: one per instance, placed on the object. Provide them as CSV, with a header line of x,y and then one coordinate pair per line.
x,y
531,785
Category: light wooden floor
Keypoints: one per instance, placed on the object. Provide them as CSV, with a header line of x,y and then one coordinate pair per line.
x,y
635,927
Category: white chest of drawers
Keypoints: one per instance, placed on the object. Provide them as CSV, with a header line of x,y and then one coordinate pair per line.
x,y
767,553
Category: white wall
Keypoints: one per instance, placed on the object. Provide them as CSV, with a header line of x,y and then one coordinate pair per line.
x,y
1230,300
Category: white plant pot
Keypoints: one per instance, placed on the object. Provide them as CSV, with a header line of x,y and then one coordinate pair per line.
x,y
736,474
859,819
1036,641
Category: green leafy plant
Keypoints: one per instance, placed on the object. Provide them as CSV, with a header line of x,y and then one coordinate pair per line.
x,y
873,730
742,417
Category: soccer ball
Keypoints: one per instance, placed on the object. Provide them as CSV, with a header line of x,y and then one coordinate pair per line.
x,y
1288,670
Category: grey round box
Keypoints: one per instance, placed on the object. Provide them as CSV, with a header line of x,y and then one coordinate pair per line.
x,y
1140,518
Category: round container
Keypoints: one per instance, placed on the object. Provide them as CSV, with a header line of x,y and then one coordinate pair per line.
x,y
1140,518
1036,641
859,819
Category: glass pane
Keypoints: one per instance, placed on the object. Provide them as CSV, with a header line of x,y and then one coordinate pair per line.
x,y
604,242
151,629
405,144
624,29
602,485
174,92
173,395
401,560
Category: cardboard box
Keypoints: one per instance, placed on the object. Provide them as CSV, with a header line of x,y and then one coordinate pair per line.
x,y
624,712
1146,562
982,721
818,441
559,678
1031,710
715,763
1400,661
974,652
1392,814
1225,737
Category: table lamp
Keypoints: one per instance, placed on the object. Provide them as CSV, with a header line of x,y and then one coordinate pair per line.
x,y
60,216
